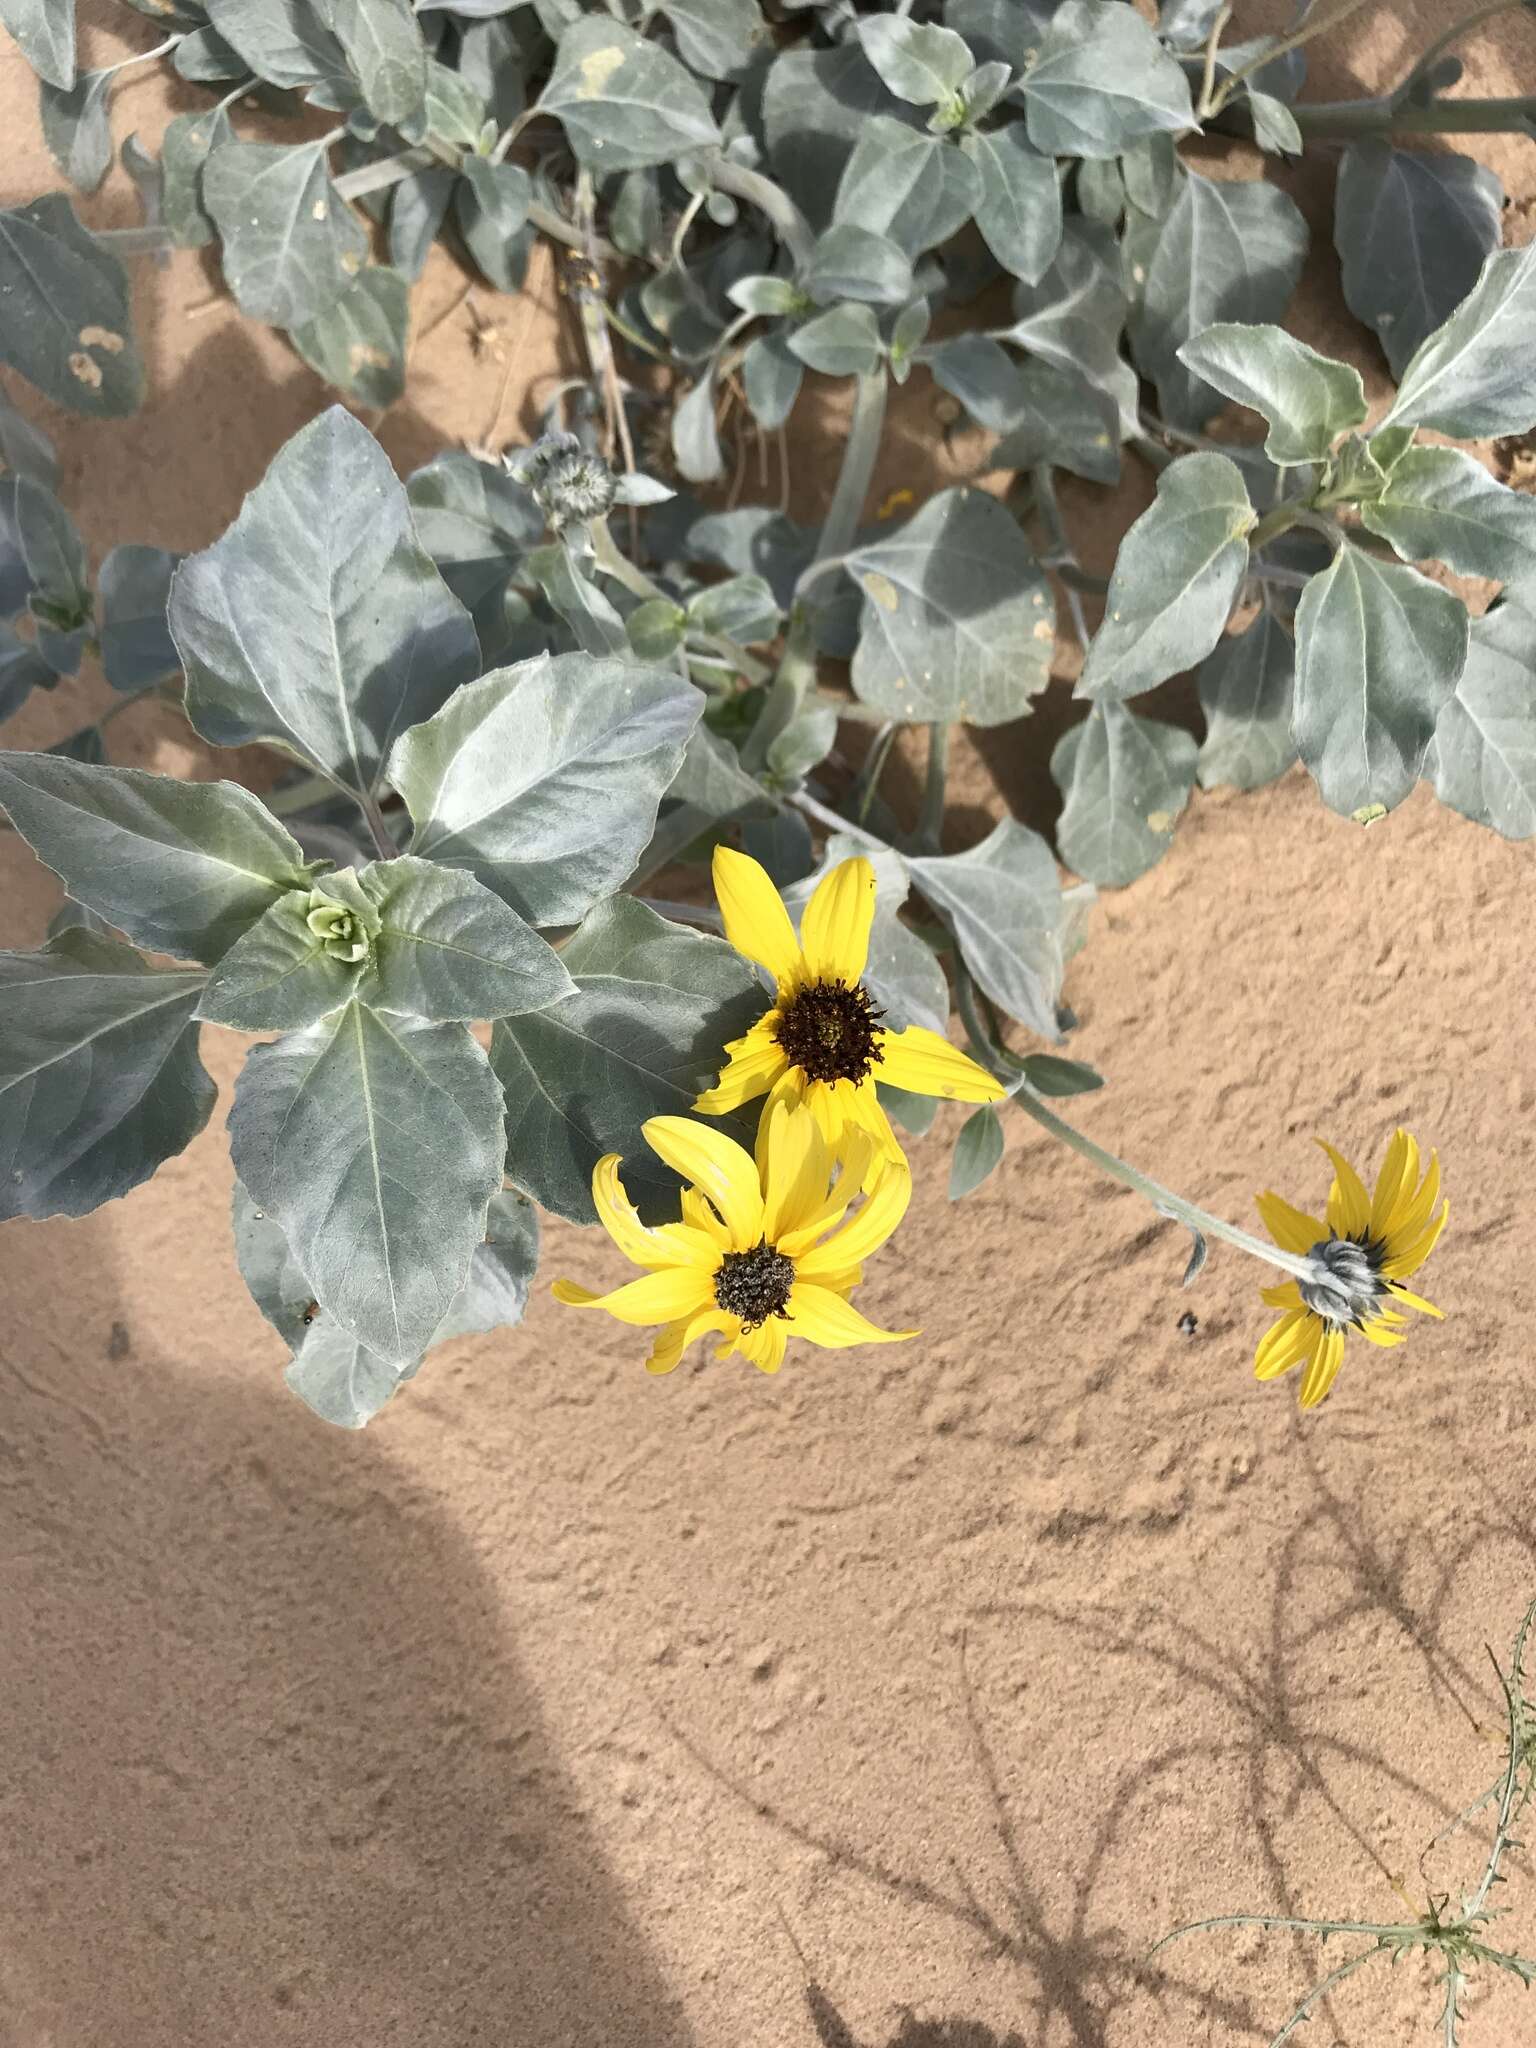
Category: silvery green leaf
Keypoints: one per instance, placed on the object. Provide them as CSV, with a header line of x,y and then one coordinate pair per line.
x,y
1174,581
1412,229
1125,780
358,343
507,779
1101,190
768,296
22,670
1062,419
914,1113
1471,378
491,203
375,1144
656,628
45,34
291,247
903,975
804,743
62,651
1005,31
849,262
1245,692
318,622
917,61
15,577
643,1035
981,374
474,520
958,619
910,187
1003,899
143,167
282,41
417,210
77,128
907,332
1228,250
184,150
635,488
1186,24
1049,1074
495,1294
1308,399
695,437
456,110
339,1379
624,102
136,644
1275,129
743,608
278,976
100,1082
26,449
782,844
1482,759
204,58
1074,314
496,56
1440,504
771,376
66,325
1100,81
842,342
451,950
711,780
716,38
53,552
1150,171
385,54
182,867
978,1152
1378,653
815,106
595,625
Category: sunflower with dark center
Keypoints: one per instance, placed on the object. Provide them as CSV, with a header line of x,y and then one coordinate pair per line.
x,y
823,1042
1360,1256
764,1249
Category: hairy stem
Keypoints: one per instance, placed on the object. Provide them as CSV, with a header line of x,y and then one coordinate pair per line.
x,y
930,826
1440,117
1319,22
789,223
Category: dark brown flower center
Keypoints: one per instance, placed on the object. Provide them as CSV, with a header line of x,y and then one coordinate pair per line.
x,y
830,1031
755,1285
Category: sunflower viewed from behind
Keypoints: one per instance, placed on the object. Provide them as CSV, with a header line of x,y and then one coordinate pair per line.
x,y
1364,1251
822,1042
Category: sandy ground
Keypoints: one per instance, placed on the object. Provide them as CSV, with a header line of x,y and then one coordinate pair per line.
x,y
901,1701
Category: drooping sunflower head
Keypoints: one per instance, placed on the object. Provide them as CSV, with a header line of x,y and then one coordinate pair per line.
x,y
823,1039
1359,1255
764,1248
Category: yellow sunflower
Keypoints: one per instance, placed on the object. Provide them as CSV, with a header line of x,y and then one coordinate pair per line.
x,y
822,1043
1365,1250
762,1252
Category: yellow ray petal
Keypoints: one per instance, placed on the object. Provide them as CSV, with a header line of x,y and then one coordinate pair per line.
x,y
834,931
1285,1343
795,1162
755,920
1425,1308
754,1064
717,1167
673,1341
1406,1255
1414,1211
764,1346
653,1298
673,1244
1377,1330
1286,1295
1349,1206
1292,1229
822,1317
698,1215
925,1064
862,1237
1395,1183
1322,1366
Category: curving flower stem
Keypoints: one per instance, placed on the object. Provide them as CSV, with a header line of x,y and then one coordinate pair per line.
x,y
1008,1065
